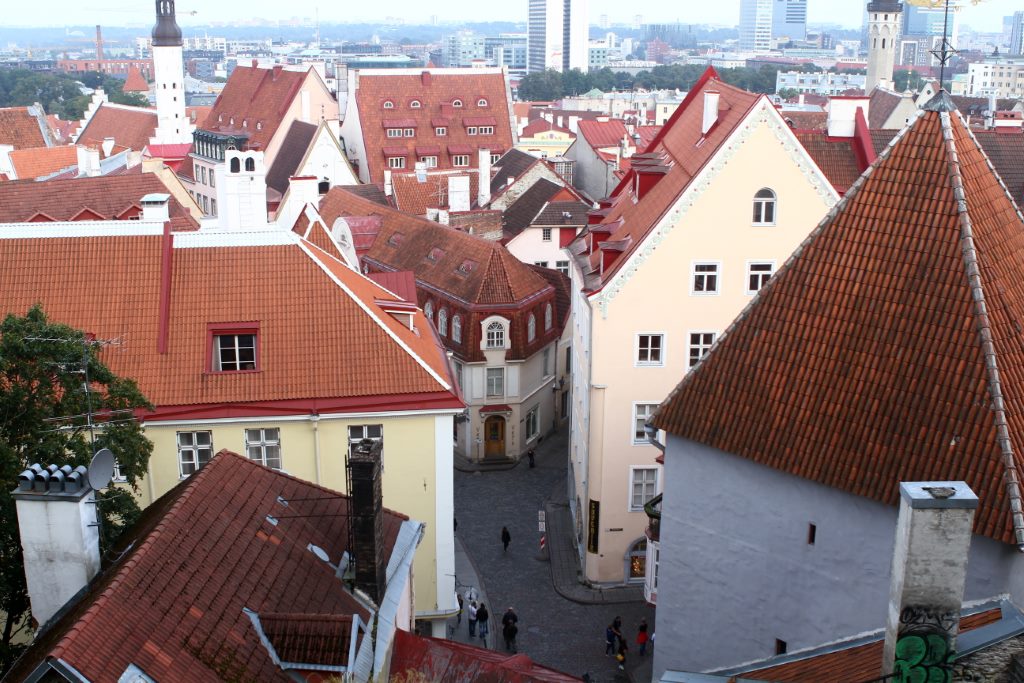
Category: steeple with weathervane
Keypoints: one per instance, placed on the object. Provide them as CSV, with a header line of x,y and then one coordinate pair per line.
x,y
173,127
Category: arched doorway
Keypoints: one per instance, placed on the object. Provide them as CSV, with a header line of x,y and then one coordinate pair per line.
x,y
636,561
494,437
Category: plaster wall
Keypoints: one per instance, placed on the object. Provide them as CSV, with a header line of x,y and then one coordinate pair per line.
x,y
737,571
312,104
658,299
529,247
502,200
326,160
592,174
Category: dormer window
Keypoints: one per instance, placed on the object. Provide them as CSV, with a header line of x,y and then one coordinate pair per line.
x,y
435,255
457,104
259,125
395,240
233,348
471,130
495,335
220,118
466,267
548,317
481,102
388,104
415,104
245,123
231,121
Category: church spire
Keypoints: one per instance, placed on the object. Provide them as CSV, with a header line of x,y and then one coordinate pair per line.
x,y
166,32
884,27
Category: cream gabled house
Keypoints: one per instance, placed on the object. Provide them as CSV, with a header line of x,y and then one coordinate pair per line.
x,y
721,197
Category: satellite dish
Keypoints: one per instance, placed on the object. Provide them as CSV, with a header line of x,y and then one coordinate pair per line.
x,y
101,469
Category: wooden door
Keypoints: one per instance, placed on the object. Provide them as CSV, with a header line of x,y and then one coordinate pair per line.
x,y
494,437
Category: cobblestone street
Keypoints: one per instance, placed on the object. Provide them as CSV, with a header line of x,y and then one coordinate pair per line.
x,y
554,631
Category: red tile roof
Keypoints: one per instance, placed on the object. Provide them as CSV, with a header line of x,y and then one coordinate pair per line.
x,y
40,162
135,82
836,157
100,198
859,663
870,348
540,125
806,120
257,97
1006,152
603,133
436,92
419,658
881,105
115,290
173,603
130,127
414,197
20,127
402,283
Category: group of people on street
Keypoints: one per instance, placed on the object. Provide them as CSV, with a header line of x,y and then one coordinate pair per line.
x,y
615,643
479,620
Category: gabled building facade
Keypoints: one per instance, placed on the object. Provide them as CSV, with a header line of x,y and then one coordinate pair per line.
x,y
721,198
442,118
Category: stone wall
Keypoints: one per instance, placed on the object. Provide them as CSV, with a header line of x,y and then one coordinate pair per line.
x,y
1002,663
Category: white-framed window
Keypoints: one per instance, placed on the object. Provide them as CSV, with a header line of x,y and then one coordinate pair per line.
x,y
549,317
357,433
764,207
471,130
428,310
396,162
641,414
486,130
457,328
234,352
457,104
545,234
440,131
650,349
542,264
388,104
562,267
415,104
496,335
264,446
547,362
495,382
700,344
460,160
118,474
429,162
705,278
194,450
442,322
531,328
531,423
643,485
409,132
758,274
481,102
494,158
393,132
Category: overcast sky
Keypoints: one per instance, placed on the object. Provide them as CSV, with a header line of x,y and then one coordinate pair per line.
x,y
986,16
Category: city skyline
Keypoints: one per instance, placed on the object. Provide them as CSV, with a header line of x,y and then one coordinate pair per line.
x,y
986,16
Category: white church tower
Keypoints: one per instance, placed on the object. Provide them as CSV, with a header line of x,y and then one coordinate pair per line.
x,y
884,22
173,127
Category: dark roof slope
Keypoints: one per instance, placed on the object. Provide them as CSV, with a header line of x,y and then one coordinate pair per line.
x,y
370,191
512,164
522,211
881,105
865,360
289,156
1006,152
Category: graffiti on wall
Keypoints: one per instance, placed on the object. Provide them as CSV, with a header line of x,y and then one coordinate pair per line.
x,y
924,645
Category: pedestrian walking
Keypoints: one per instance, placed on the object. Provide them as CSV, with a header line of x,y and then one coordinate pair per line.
x,y
458,621
482,615
621,655
509,618
617,628
506,538
609,640
641,637
509,631
471,611
531,455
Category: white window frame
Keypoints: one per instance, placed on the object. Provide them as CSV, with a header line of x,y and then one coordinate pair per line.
x,y
633,470
545,234
700,345
494,158
531,328
648,363
194,449
441,131
549,316
460,160
428,310
365,433
761,203
636,405
393,133
470,130
218,361
264,441
751,273
396,162
485,130
717,275
562,267
499,391
542,264
547,361
532,426
459,371
506,325
442,322
409,132
457,328
429,162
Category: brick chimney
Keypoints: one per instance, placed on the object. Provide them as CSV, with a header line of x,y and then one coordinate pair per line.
x,y
483,194
60,538
929,567
366,524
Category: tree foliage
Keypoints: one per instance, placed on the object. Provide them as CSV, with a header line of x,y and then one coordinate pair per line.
x,y
42,409
59,93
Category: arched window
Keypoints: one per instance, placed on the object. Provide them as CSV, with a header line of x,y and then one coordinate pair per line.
x,y
764,207
457,329
415,104
636,561
428,310
442,322
235,165
481,102
250,164
457,104
548,317
531,328
496,335
388,104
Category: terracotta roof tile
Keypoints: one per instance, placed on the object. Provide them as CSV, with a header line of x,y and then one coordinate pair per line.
x,y
370,191
512,164
258,97
130,127
865,348
435,95
1006,152
20,127
135,82
414,197
173,604
315,639
834,156
43,161
806,120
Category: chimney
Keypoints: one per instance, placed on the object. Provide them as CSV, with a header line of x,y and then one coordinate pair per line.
x,y
88,161
108,146
59,535
155,207
483,190
710,111
458,193
990,115
387,183
929,566
276,71
99,43
255,63
366,524
425,78
842,115
302,190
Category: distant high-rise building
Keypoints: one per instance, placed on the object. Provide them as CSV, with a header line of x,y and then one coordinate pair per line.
x,y
557,35
462,48
756,25
1017,34
789,19
884,20
603,23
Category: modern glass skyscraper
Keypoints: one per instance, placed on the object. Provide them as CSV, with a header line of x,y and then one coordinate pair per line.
x,y
558,34
763,21
789,19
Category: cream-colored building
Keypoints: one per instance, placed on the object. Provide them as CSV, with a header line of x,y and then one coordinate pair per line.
x,y
543,139
723,197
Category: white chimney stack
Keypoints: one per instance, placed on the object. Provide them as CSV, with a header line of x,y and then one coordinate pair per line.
x,y
60,537
929,567
483,193
387,184
458,193
710,111
108,146
155,207
842,115
88,161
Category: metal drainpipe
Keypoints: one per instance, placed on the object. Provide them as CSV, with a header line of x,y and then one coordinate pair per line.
x,y
315,419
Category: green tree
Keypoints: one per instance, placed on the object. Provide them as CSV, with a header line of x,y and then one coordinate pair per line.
x,y
907,80
541,86
787,93
42,402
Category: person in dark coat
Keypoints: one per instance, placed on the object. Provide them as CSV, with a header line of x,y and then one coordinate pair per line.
x,y
506,537
531,455
482,627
